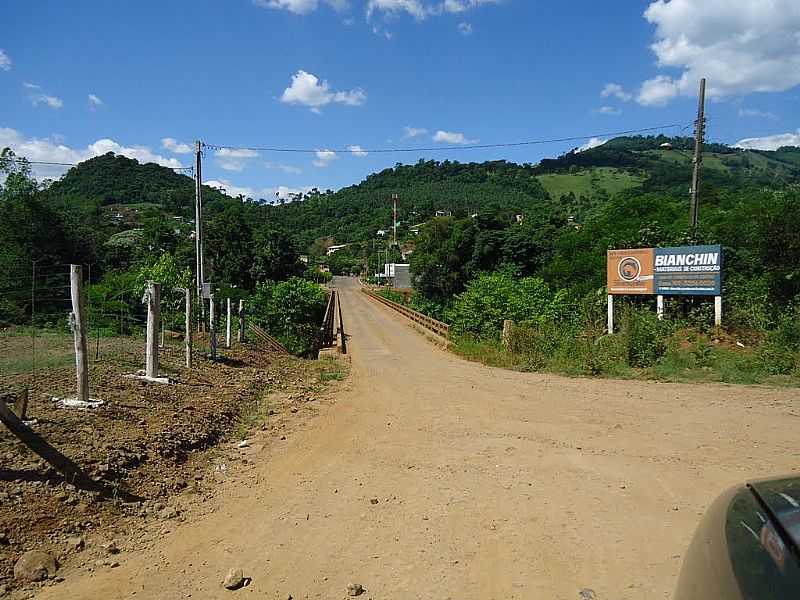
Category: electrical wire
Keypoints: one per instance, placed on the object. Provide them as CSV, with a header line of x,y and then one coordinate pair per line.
x,y
442,148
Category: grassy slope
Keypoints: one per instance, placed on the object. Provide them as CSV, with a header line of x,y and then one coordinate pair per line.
x,y
608,179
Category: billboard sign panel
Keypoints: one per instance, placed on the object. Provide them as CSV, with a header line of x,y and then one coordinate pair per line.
x,y
678,271
631,271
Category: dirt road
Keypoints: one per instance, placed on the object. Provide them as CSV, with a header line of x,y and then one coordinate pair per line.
x,y
489,484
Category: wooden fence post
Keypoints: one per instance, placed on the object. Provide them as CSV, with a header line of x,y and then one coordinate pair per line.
x,y
212,325
79,330
188,338
228,323
153,319
241,321
508,327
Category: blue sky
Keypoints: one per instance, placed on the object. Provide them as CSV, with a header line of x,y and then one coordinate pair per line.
x,y
146,79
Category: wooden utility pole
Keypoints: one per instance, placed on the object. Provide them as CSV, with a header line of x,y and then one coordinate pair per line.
x,y
153,318
188,338
198,224
699,134
79,331
240,337
228,323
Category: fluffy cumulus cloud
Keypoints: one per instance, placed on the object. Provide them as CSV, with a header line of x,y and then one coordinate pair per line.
x,y
270,194
592,143
412,132
357,151
5,61
752,47
175,146
452,137
420,9
306,89
231,189
325,157
770,142
54,150
283,192
615,90
300,7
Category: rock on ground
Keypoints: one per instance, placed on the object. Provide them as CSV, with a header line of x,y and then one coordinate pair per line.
x,y
35,565
233,580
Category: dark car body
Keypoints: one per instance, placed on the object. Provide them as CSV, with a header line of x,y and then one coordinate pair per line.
x,y
747,546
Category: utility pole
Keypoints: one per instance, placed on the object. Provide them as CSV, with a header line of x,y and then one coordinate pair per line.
x,y
394,219
700,125
198,224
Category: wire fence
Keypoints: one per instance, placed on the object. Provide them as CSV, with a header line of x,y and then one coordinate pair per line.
x,y
38,352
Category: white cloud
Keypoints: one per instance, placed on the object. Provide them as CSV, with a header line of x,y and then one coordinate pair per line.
x,y
465,29
752,47
457,6
308,90
324,158
615,90
175,146
451,137
412,132
608,110
285,168
230,188
300,7
756,113
283,192
357,151
658,91
5,61
94,101
54,150
234,159
770,142
30,86
51,101
592,143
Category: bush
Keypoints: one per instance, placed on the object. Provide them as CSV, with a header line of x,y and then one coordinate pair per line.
x,y
292,311
493,297
780,353
644,335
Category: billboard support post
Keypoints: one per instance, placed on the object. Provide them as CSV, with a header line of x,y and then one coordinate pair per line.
x,y
718,311
660,307
610,314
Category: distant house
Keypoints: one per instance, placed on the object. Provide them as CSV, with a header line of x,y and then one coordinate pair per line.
x,y
666,146
334,249
444,213
381,232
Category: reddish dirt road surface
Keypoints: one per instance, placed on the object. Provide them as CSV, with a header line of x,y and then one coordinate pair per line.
x,y
489,484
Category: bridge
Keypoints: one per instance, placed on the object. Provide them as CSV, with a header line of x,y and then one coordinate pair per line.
x,y
432,477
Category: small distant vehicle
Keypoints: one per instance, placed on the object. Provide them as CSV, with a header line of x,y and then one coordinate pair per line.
x,y
747,546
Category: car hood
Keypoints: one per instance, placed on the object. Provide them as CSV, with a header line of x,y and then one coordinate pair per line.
x,y
782,498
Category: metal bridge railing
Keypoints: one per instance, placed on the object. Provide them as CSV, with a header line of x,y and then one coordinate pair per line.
x,y
327,335
437,327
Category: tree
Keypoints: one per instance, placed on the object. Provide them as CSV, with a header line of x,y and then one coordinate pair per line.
x,y
440,265
275,257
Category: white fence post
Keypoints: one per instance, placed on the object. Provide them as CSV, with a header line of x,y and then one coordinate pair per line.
x,y
212,315
188,337
79,331
718,311
241,321
153,320
228,323
610,314
660,307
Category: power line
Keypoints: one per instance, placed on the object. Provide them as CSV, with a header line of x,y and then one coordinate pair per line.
x,y
442,148
61,164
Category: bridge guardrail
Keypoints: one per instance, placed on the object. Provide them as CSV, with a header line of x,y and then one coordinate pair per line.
x,y
437,327
328,337
266,339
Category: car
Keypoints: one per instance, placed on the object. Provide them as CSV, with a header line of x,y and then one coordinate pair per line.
x,y
747,545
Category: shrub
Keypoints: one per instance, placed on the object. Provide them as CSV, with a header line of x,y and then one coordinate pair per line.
x,y
644,335
292,311
492,297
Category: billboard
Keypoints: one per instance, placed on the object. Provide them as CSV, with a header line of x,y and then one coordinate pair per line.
x,y
678,271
